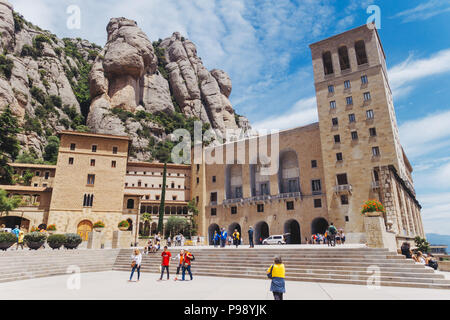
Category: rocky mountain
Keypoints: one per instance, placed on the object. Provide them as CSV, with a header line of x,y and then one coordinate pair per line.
x,y
131,86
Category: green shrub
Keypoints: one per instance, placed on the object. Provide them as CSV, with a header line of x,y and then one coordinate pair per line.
x,y
124,224
38,94
65,123
18,22
72,240
58,51
35,237
29,51
56,240
32,125
7,237
6,65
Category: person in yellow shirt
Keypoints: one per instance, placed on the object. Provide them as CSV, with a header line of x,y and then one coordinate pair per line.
x,y
236,238
20,239
277,272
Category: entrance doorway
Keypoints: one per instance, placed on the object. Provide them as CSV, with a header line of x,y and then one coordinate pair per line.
x,y
13,221
292,231
231,228
261,231
212,228
83,229
319,225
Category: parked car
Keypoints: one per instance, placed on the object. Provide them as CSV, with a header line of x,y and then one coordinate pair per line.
x,y
276,239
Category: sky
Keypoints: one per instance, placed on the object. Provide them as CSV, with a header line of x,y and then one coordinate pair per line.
x,y
263,45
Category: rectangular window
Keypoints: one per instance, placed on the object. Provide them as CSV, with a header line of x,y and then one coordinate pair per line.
x,y
91,179
92,162
233,210
313,163
198,180
88,200
349,100
157,197
347,84
174,198
113,164
316,186
331,89
46,175
213,196
70,160
376,177
72,146
260,207
94,148
339,156
332,104
351,117
213,178
344,199
114,150
369,114
38,173
376,151
372,132
264,188
342,179
364,80
290,205
347,219
354,135
337,139
213,211
335,121
198,167
367,96
317,203
238,192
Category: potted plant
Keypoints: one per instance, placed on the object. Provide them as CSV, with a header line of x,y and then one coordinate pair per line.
x,y
7,239
98,226
373,208
51,229
55,241
123,225
35,240
72,240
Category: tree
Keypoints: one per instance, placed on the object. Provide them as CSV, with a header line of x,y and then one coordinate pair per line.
x,y
175,225
51,150
9,145
192,207
163,199
422,244
8,204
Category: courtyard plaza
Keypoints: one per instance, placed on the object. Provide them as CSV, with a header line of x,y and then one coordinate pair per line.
x,y
114,285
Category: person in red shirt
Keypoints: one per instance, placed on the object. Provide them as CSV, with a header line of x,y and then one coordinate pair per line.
x,y
165,261
186,266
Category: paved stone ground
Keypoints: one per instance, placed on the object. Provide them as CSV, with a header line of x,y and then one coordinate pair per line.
x,y
114,285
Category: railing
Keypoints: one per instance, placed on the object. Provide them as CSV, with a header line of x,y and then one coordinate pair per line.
x,y
375,184
343,188
288,195
231,201
258,198
213,203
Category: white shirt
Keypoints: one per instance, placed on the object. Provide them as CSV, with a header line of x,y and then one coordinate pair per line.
x,y
137,258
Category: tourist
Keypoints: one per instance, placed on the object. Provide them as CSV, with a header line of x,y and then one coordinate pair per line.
x,y
216,239
250,237
136,264
179,257
338,237
230,240
342,236
419,258
158,238
406,250
431,262
223,238
332,234
16,231
165,260
149,246
236,238
277,272
198,240
186,264
182,240
169,241
20,239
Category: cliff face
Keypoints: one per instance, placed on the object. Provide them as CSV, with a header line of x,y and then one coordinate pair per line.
x,y
124,88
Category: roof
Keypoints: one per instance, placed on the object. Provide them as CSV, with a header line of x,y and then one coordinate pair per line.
x,y
158,165
96,135
31,165
25,188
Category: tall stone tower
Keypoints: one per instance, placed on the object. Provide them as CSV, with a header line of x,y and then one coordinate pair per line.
x,y
362,155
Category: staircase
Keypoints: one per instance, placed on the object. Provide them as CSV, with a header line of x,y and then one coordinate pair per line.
x,y
336,265
28,264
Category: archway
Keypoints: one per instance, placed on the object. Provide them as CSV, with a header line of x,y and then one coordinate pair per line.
x,y
292,231
319,225
13,221
83,229
261,231
213,227
233,226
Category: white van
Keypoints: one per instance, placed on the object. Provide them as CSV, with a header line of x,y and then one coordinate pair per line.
x,y
277,239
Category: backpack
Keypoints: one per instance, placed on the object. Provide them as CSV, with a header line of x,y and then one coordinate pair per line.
x,y
332,230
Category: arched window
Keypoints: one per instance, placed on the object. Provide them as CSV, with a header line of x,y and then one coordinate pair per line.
x,y
130,204
344,61
327,63
360,50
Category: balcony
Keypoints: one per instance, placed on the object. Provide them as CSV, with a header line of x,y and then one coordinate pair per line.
x,y
227,202
259,198
213,203
375,185
343,188
288,195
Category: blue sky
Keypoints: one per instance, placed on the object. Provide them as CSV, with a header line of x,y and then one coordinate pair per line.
x,y
263,45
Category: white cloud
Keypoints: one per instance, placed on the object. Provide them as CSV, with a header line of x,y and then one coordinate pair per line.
x,y
424,11
422,136
302,113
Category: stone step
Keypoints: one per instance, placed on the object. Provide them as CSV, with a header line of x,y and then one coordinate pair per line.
x,y
48,273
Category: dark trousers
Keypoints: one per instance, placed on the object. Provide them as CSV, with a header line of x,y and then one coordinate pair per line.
x,y
250,241
332,240
278,295
138,268
162,271
188,268
216,243
178,269
236,242
222,243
